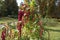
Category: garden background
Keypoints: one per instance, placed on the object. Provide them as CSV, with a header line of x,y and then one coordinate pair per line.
x,y
46,10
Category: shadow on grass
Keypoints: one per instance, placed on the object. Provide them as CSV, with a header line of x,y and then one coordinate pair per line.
x,y
52,30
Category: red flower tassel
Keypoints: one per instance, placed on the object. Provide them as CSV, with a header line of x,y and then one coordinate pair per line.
x,y
3,34
19,26
41,32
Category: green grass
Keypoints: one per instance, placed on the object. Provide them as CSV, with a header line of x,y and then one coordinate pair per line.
x,y
54,30
6,19
54,35
52,26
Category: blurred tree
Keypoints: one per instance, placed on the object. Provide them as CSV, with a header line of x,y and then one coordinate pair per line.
x,y
42,7
2,8
57,10
51,8
11,7
47,7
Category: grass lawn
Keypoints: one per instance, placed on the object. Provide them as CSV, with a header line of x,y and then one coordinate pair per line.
x,y
54,28
6,19
54,35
